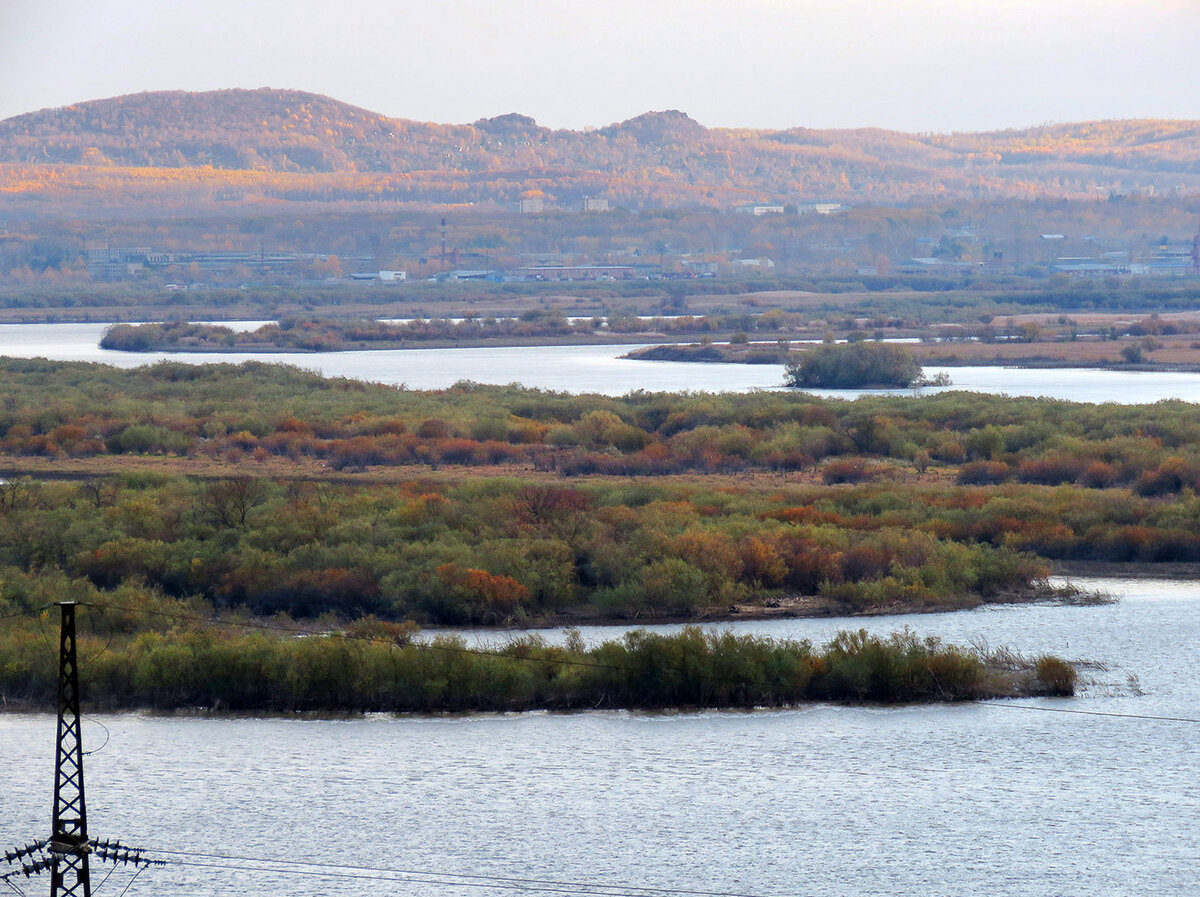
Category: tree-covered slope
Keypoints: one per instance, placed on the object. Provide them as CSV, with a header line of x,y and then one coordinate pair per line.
x,y
658,158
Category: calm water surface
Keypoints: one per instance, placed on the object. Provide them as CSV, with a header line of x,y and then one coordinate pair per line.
x,y
998,799
1008,798
596,369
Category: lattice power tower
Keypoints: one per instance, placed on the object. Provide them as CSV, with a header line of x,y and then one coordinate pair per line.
x,y
66,852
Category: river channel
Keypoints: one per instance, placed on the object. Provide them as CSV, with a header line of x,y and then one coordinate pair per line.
x,y
594,369
998,798
1096,795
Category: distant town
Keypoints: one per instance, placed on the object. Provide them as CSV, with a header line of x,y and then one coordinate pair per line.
x,y
960,250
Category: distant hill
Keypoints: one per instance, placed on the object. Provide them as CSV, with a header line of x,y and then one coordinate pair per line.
x,y
302,146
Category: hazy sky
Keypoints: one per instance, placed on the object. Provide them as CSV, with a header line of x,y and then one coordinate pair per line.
x,y
920,65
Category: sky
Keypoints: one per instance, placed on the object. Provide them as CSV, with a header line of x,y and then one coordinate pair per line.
x,y
912,65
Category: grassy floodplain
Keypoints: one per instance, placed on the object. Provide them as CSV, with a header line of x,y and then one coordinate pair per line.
x,y
275,494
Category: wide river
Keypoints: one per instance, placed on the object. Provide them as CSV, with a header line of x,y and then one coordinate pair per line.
x,y
595,369
1095,795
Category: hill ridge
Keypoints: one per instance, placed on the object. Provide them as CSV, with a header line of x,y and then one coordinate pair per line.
x,y
659,157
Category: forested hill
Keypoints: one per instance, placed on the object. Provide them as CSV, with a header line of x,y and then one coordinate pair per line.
x,y
663,158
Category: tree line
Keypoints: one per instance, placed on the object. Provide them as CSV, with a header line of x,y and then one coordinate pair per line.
x,y
374,667
260,412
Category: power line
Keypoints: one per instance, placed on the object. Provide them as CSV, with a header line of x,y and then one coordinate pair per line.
x,y
65,854
505,880
125,890
107,736
24,613
452,880
1042,709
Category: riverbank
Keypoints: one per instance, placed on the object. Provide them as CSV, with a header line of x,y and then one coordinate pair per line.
x,y
320,335
513,342
1174,355
375,667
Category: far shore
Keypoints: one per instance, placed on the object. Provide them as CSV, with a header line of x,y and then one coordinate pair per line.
x,y
718,350
1174,355
799,607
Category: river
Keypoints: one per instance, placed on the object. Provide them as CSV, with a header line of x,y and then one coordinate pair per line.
x,y
594,369
1000,798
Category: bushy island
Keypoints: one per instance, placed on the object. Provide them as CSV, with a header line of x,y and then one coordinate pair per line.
x,y
139,660
855,365
320,333
860,365
489,551
317,334
201,495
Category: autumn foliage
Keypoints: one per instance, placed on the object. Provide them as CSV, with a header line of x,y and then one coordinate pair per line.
x,y
268,146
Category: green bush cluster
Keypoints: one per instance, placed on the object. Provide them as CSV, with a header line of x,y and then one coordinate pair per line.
x,y
487,551
855,365
221,668
265,411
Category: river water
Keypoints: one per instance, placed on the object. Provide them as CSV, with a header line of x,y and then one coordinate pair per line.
x,y
593,369
1001,798
997,798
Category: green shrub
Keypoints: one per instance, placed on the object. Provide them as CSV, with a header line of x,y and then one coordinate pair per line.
x,y
1054,676
854,366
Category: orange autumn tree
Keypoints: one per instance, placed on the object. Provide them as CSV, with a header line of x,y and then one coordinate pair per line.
x,y
486,597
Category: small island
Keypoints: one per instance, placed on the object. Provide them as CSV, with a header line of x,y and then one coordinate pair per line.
x,y
1149,344
856,365
1101,342
859,366
372,665
318,334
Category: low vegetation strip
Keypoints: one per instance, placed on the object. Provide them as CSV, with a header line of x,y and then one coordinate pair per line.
x,y
330,335
494,551
855,366
790,504
326,334
255,411
376,667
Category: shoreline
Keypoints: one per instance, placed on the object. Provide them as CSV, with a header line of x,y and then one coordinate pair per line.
x,y
588,339
670,351
767,353
804,607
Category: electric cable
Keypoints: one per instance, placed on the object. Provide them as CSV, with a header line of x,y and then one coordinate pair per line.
x,y
129,885
1042,709
107,876
108,644
27,612
516,880
447,881
107,736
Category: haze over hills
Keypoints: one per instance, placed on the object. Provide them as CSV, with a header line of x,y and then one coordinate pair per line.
x,y
272,145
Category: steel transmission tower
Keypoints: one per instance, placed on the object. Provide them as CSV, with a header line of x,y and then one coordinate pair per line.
x,y
65,854
69,877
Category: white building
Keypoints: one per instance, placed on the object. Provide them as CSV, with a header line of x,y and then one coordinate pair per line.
x,y
818,208
757,209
